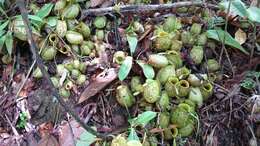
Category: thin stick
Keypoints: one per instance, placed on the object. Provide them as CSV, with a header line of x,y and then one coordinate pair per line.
x,y
142,8
224,39
254,42
29,72
39,62
14,130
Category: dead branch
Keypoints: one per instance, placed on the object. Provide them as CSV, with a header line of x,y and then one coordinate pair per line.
x,y
142,8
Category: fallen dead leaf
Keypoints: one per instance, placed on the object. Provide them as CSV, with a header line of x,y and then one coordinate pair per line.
x,y
66,138
147,31
45,129
4,135
94,3
100,81
107,3
29,139
7,72
70,133
48,141
255,3
240,36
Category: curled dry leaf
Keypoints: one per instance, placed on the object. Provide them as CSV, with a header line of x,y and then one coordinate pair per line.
x,y
72,134
240,36
66,137
100,81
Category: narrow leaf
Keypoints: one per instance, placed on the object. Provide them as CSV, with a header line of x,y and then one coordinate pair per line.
x,y
215,21
36,21
35,18
125,68
2,2
3,11
147,69
237,7
3,26
45,10
143,119
219,35
254,14
132,41
9,42
2,41
132,135
2,33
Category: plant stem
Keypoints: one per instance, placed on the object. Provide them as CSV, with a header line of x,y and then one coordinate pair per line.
x,y
224,39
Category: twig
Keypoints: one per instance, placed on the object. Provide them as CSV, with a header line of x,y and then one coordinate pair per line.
x,y
39,62
142,8
14,130
223,41
71,132
254,42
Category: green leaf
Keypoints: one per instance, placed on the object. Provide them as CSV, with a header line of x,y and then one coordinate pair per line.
x,y
2,33
248,83
215,21
86,139
147,69
35,18
2,42
218,34
237,7
143,119
3,11
36,21
254,14
9,42
52,21
31,17
2,2
3,26
132,135
132,41
125,68
45,10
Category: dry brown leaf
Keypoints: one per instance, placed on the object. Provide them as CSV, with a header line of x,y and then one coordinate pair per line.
x,y
7,72
240,36
107,3
45,129
48,141
255,3
94,3
66,137
100,81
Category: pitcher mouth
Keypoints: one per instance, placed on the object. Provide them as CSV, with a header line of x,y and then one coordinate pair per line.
x,y
53,38
184,83
173,80
207,87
